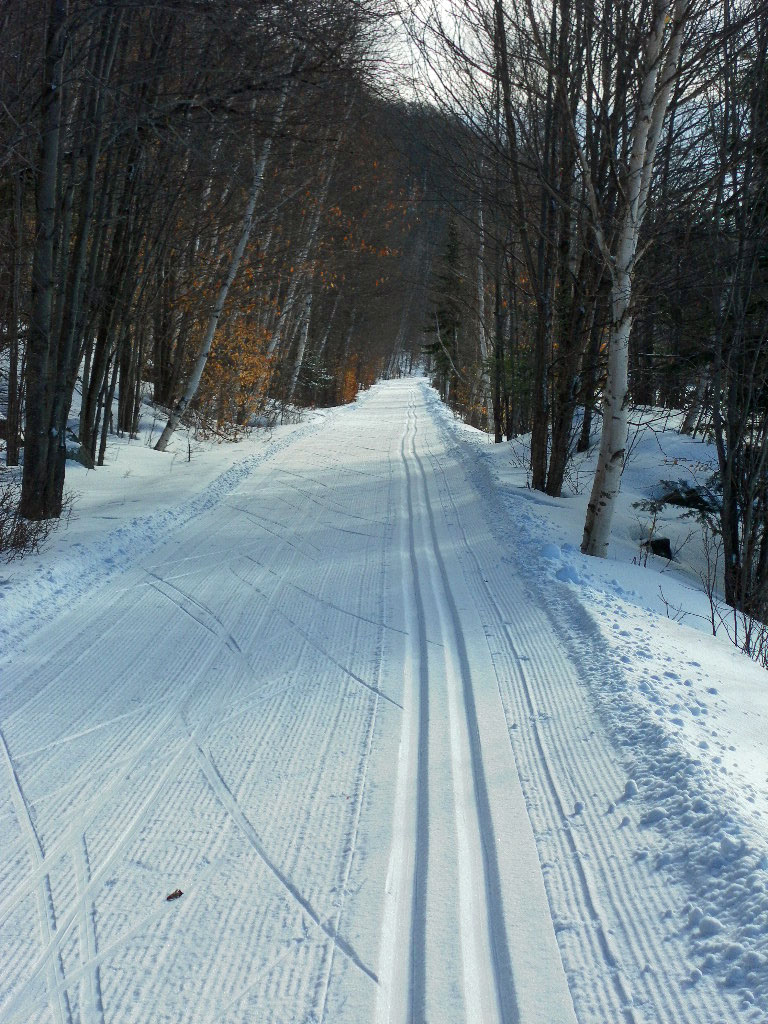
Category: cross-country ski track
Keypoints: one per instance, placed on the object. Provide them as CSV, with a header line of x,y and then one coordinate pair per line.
x,y
335,711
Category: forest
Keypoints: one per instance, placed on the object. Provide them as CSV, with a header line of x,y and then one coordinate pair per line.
x,y
229,210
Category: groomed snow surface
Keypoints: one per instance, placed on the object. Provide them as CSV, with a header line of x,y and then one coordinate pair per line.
x,y
408,756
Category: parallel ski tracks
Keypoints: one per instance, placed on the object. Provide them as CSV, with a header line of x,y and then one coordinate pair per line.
x,y
424,903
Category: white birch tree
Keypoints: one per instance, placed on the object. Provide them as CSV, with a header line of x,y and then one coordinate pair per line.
x,y
660,59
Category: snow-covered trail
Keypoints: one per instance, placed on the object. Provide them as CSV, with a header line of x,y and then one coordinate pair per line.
x,y
455,943
334,712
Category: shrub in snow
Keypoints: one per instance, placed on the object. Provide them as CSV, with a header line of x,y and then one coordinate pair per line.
x,y
20,536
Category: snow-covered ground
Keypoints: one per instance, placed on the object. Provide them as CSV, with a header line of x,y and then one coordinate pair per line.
x,y
406,753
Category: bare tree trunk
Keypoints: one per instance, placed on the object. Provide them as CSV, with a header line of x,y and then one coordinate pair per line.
x,y
694,405
68,349
306,249
654,98
305,321
14,305
37,497
482,337
498,353
106,423
540,277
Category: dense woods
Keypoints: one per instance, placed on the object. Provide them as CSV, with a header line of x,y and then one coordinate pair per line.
x,y
220,208
200,200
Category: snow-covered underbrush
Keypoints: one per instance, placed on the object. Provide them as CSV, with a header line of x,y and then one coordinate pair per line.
x,y
19,536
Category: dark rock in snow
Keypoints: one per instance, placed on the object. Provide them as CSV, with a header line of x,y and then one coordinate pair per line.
x,y
659,546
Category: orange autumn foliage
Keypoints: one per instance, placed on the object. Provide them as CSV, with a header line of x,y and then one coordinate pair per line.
x,y
236,378
348,390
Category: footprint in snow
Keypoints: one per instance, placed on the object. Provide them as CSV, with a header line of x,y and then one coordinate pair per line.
x,y
567,574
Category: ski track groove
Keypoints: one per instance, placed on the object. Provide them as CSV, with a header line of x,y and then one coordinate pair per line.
x,y
488,990
487,870
549,671
416,969
92,1009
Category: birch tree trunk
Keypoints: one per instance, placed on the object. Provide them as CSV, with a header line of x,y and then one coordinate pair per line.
x,y
304,334
213,321
660,69
484,354
327,332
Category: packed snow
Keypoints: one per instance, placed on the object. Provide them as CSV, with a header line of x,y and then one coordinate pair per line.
x,y
351,696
